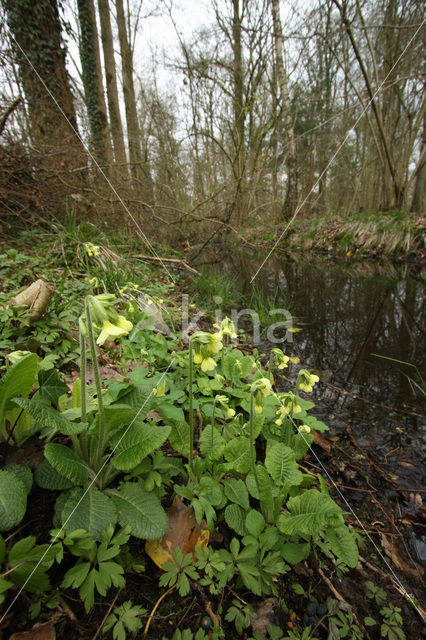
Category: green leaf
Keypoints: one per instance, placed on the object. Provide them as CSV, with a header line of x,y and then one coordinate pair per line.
x,y
51,386
235,519
170,413
236,491
75,576
141,396
22,472
294,552
301,444
31,576
255,523
369,622
343,544
249,574
309,513
49,417
67,463
116,416
90,510
314,423
141,510
237,453
212,452
48,478
140,440
87,591
179,437
17,381
281,464
13,500
2,549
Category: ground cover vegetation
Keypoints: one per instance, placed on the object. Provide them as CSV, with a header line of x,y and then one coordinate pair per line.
x,y
153,451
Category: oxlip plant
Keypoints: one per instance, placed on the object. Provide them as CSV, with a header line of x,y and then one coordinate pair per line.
x,y
108,438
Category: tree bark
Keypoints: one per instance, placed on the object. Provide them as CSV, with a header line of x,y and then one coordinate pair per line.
x,y
133,131
239,114
290,202
42,71
111,84
397,187
418,202
92,81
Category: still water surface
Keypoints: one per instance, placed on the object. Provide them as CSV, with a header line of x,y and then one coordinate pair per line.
x,y
347,313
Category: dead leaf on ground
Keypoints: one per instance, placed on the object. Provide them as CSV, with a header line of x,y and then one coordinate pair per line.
x,y
391,549
265,615
183,532
45,631
321,442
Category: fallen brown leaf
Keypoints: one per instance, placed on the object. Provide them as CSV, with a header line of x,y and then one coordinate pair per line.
x,y
45,631
391,549
183,532
265,615
321,441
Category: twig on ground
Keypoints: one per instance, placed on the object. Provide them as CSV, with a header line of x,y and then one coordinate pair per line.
x,y
99,629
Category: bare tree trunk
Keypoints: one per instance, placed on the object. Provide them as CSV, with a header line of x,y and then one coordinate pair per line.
x,y
46,54
291,196
397,187
92,80
133,131
239,114
418,203
111,84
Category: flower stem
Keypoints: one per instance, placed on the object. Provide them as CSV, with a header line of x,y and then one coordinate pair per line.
x,y
83,366
252,446
212,423
83,362
191,409
101,437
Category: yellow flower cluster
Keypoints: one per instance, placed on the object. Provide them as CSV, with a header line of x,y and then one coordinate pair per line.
x,y
307,380
105,318
281,360
260,389
224,401
288,405
205,345
92,249
226,328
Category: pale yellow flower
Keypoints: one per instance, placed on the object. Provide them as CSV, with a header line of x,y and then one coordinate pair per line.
x,y
215,343
124,324
110,332
208,364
